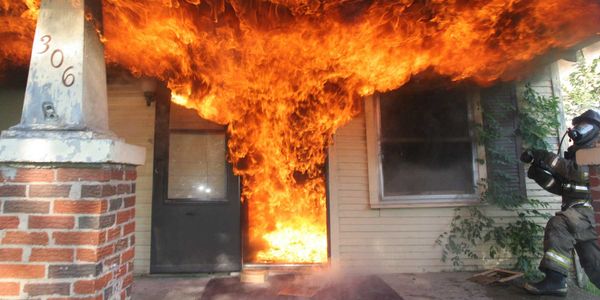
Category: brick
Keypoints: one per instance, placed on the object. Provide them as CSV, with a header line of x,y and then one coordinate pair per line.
x,y
108,292
12,190
25,238
113,261
115,204
8,289
131,175
80,206
595,196
97,297
103,281
122,244
117,174
27,206
108,190
105,251
99,174
49,190
128,280
124,189
596,205
113,233
22,271
128,228
72,271
91,191
133,188
51,222
88,255
30,175
9,222
84,287
122,271
129,201
11,254
594,181
128,255
79,238
51,255
123,216
43,289
96,222
132,240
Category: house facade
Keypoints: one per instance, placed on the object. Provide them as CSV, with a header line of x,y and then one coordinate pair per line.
x,y
376,224
103,179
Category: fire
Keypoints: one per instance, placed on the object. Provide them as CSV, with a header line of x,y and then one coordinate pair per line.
x,y
285,74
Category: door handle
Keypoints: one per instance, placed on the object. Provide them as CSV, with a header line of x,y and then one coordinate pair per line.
x,y
189,214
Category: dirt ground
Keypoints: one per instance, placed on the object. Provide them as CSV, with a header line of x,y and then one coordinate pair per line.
x,y
424,286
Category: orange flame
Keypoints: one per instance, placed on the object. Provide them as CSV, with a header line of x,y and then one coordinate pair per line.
x,y
285,74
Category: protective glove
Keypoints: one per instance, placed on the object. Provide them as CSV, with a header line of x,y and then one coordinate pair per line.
x,y
534,156
545,179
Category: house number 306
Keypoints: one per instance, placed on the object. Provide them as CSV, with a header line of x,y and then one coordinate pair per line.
x,y
57,58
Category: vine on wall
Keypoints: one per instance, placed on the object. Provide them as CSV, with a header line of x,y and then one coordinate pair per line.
x,y
472,231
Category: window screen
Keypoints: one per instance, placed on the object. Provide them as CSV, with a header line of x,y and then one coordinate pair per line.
x,y
426,146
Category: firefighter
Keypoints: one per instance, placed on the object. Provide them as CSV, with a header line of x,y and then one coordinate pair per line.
x,y
574,226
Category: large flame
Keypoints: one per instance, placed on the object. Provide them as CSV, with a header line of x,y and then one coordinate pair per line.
x,y
285,74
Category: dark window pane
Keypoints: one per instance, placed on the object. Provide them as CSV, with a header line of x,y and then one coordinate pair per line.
x,y
427,169
425,143
424,115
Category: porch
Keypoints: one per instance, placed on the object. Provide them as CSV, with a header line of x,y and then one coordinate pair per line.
x,y
445,285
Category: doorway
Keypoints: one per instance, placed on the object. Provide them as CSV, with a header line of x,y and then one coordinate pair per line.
x,y
196,197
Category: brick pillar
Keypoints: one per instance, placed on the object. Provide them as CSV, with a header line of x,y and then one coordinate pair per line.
x,y
591,158
595,186
67,232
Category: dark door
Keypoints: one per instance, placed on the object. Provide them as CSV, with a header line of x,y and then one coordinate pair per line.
x,y
196,197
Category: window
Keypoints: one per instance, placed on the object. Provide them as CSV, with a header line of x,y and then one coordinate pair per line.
x,y
197,168
421,147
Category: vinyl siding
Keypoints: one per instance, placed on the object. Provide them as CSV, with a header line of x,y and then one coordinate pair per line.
x,y
133,121
387,240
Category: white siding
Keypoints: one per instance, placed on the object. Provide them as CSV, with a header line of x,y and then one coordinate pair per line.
x,y
132,120
545,82
396,239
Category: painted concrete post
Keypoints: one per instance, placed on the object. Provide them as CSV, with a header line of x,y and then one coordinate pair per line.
x,y
67,184
67,63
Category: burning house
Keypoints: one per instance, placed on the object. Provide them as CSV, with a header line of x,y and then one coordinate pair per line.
x,y
277,133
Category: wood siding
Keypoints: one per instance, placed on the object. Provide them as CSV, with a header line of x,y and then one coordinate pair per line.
x,y
133,121
389,240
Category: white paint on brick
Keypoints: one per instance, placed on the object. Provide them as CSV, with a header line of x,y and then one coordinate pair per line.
x,y
75,192
589,156
9,173
51,150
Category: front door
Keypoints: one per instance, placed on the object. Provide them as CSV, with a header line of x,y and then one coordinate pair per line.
x,y
196,197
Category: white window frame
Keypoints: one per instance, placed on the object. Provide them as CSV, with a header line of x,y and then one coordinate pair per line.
x,y
376,198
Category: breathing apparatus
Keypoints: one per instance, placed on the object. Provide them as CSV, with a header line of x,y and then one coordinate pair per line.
x,y
584,133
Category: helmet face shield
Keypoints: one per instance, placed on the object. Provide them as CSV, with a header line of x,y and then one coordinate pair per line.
x,y
586,129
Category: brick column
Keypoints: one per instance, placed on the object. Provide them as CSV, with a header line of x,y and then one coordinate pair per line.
x,y
595,186
591,158
67,232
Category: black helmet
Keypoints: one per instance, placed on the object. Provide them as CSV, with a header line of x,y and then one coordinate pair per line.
x,y
591,116
586,129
